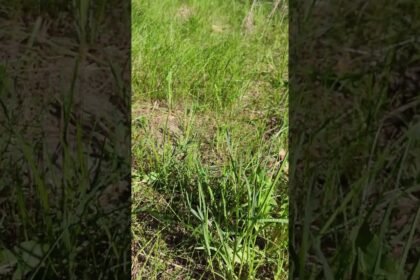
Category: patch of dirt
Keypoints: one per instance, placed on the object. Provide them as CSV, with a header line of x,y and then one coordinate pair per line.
x,y
158,121
185,12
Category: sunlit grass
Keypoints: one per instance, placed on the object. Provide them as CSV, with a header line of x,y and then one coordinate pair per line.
x,y
209,139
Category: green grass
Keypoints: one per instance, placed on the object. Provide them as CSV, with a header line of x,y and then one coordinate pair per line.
x,y
53,176
354,169
209,136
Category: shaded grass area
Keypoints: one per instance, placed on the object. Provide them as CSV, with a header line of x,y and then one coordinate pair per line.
x,y
63,165
209,140
354,100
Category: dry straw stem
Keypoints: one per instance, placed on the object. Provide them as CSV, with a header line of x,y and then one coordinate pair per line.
x,y
276,6
248,22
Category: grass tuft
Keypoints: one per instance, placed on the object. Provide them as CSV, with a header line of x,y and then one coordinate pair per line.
x,y
209,139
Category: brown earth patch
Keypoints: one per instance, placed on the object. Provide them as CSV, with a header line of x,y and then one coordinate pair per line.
x,y
185,12
158,121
